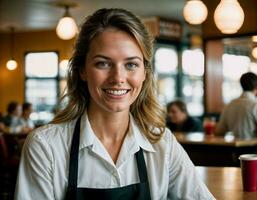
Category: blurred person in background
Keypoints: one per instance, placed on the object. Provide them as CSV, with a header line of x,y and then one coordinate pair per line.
x,y
12,121
27,123
2,126
240,115
179,120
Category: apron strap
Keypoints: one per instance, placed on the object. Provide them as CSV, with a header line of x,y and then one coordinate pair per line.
x,y
73,165
142,171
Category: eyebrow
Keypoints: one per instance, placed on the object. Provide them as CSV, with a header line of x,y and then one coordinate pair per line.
x,y
108,58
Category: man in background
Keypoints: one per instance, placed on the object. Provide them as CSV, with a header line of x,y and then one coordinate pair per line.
x,y
12,121
240,115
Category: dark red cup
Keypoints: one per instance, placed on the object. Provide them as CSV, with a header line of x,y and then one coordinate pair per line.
x,y
209,129
248,164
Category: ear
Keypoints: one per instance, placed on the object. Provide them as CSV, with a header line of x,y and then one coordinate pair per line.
x,y
83,75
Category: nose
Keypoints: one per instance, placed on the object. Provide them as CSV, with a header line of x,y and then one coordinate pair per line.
x,y
118,75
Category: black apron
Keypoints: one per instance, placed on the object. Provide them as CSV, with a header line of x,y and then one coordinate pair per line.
x,y
138,191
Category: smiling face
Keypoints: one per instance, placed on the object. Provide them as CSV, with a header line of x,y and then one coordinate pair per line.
x,y
114,71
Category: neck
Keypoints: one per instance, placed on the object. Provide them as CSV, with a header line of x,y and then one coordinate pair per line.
x,y
109,127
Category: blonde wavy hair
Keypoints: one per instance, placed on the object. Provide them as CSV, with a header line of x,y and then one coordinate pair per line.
x,y
146,111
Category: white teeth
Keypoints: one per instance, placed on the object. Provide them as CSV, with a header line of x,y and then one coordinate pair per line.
x,y
116,92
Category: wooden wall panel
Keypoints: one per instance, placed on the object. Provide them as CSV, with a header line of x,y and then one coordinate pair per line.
x,y
213,76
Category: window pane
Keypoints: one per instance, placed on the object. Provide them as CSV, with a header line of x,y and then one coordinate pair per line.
x,y
63,68
166,89
166,60
253,67
43,64
193,62
230,90
166,68
193,94
43,95
233,67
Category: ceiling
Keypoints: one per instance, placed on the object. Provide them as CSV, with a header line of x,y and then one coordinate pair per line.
x,y
27,15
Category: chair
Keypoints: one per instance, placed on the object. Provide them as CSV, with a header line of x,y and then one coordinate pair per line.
x,y
3,148
8,170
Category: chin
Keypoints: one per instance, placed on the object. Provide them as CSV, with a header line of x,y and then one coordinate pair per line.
x,y
118,109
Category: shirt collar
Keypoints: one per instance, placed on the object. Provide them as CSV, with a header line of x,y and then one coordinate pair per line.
x,y
248,95
87,136
140,139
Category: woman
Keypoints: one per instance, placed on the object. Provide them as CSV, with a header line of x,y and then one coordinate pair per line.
x,y
110,141
178,119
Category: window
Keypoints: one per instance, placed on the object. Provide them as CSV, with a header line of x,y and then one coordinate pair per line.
x,y
41,84
166,67
63,69
233,67
192,84
185,82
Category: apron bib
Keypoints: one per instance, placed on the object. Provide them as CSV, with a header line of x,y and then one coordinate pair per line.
x,y
138,191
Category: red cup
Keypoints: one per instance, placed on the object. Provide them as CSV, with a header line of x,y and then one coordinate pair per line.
x,y
209,126
249,171
209,129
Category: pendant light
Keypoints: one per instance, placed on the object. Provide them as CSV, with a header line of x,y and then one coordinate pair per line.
x,y
11,63
66,28
229,16
195,12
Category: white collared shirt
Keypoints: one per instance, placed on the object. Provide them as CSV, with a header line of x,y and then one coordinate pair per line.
x,y
44,166
240,117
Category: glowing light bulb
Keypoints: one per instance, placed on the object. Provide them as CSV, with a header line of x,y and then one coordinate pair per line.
x,y
229,16
195,12
66,28
11,64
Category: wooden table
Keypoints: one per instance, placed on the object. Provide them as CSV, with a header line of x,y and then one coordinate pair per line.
x,y
215,150
225,183
201,138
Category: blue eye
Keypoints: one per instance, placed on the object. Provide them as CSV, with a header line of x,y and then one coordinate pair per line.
x,y
103,64
131,66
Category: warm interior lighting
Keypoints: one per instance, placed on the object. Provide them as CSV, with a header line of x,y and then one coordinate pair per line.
x,y
229,16
254,38
254,52
66,28
11,63
63,67
195,12
64,64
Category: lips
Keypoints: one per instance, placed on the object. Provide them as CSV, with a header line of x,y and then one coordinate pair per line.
x,y
116,92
